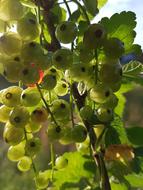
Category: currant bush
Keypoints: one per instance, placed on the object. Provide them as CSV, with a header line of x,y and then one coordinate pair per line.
x,y
68,82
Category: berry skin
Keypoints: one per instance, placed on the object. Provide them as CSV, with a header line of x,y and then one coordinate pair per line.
x,y
86,112
4,113
11,96
104,114
54,132
19,116
49,82
80,72
62,59
61,110
94,36
85,54
66,137
13,135
24,164
79,133
33,127
113,48
111,102
11,10
42,179
11,67
61,88
30,97
110,72
28,28
66,32
31,52
100,93
61,162
33,146
29,75
10,43
15,153
39,115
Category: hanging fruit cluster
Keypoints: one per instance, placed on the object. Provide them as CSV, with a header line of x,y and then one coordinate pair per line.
x,y
70,89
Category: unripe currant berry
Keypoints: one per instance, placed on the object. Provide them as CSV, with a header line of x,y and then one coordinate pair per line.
x,y
94,36
66,32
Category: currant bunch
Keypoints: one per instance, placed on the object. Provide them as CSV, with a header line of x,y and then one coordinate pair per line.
x,y
52,82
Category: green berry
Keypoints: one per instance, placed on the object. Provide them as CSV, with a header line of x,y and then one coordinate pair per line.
x,y
19,116
28,27
49,82
42,180
30,97
33,146
4,113
61,109
11,10
79,133
104,114
39,115
13,135
110,72
94,36
54,132
10,43
100,93
24,164
113,48
86,112
61,162
61,88
15,153
66,32
11,96
62,59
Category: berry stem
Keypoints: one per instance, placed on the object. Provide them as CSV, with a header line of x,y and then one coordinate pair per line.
x,y
71,104
33,164
83,10
68,8
52,160
97,156
46,105
96,67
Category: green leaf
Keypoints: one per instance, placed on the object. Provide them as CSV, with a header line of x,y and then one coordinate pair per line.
x,y
117,186
133,79
135,48
75,15
79,167
133,68
82,27
138,151
112,137
116,133
101,3
119,126
121,26
91,6
28,3
135,180
121,98
135,135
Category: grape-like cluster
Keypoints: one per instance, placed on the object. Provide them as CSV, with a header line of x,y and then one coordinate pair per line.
x,y
45,93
